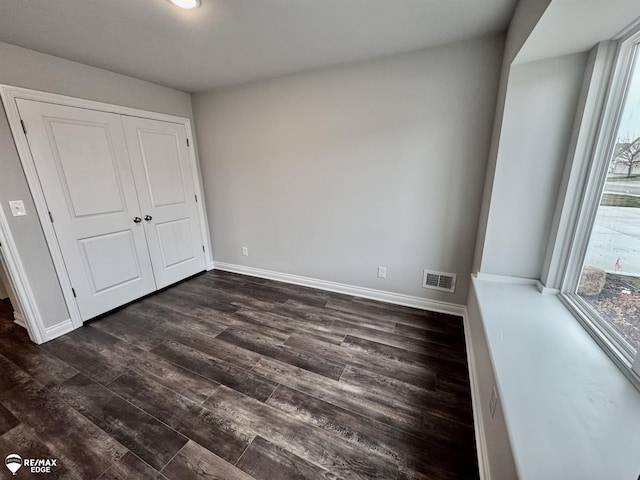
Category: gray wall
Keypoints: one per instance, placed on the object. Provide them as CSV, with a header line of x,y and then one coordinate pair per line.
x,y
539,113
334,172
4,283
523,22
26,68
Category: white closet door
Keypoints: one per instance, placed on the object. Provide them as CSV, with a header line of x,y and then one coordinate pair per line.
x,y
166,192
83,166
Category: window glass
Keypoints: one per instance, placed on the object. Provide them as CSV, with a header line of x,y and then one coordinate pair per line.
x,y
610,280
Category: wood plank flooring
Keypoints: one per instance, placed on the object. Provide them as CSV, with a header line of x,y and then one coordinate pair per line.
x,y
237,378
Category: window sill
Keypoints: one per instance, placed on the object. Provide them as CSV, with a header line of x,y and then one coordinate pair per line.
x,y
623,358
569,411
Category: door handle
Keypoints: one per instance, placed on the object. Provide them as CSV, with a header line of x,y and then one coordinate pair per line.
x,y
148,218
137,219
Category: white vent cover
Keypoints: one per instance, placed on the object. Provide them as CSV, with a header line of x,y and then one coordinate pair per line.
x,y
439,281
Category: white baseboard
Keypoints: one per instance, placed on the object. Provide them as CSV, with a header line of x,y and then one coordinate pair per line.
x,y
59,329
370,293
18,320
478,423
491,277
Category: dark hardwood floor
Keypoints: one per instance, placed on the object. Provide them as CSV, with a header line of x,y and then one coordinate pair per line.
x,y
231,377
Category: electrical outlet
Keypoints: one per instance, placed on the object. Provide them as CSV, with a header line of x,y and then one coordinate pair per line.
x,y
493,402
382,272
245,252
17,208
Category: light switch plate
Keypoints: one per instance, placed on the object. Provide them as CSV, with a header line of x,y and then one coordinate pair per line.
x,y
17,208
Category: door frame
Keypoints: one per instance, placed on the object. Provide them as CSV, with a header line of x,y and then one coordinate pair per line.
x,y
18,281
15,269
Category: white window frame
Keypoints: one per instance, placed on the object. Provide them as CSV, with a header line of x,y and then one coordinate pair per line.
x,y
594,141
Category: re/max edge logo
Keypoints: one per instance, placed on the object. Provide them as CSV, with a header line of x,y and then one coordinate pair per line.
x,y
15,462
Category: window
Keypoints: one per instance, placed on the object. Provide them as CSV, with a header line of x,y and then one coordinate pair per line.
x,y
604,288
610,280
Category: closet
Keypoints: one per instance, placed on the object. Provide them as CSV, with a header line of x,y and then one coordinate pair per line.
x,y
121,195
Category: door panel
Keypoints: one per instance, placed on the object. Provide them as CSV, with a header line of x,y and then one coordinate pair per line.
x,y
83,166
166,192
162,169
91,187
111,260
174,238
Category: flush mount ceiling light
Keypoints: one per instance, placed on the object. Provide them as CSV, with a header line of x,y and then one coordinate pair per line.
x,y
186,3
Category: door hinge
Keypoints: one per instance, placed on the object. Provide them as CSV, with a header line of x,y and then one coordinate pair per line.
x,y
196,198
203,248
187,142
74,292
51,217
24,129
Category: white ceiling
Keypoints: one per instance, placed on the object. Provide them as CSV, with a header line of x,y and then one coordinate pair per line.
x,y
589,22
227,42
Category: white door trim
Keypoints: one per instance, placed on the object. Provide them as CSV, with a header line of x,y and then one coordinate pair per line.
x,y
15,268
19,283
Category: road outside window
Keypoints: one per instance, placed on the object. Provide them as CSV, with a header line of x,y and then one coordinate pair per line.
x,y
610,280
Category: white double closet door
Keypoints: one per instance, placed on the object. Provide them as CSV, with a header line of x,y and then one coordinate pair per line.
x,y
120,191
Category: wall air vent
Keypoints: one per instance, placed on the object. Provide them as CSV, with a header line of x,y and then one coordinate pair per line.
x,y
439,281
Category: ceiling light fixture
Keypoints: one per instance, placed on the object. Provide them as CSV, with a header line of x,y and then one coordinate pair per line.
x,y
186,3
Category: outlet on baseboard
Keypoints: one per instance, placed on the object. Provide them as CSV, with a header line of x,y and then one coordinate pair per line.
x,y
245,251
493,402
382,272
